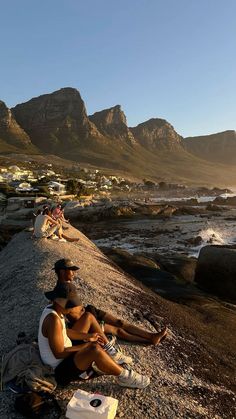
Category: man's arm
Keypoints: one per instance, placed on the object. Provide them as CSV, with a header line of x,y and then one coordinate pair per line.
x,y
62,217
87,337
53,331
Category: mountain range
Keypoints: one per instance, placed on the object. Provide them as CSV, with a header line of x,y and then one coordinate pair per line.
x,y
58,123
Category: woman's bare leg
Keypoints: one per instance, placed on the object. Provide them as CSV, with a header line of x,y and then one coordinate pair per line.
x,y
88,323
92,352
59,231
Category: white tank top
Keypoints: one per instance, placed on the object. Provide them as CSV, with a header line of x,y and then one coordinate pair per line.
x,y
40,225
46,353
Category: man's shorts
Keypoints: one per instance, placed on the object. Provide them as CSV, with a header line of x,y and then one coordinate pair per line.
x,y
98,314
67,371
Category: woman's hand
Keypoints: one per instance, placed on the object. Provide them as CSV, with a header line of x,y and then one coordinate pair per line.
x,y
95,337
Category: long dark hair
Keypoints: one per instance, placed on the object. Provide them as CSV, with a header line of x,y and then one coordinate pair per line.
x,y
46,211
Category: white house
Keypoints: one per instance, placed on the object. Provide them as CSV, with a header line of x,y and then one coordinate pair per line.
x,y
24,187
56,188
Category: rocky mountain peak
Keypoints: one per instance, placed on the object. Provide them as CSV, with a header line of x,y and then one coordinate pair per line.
x,y
158,134
10,131
112,122
57,121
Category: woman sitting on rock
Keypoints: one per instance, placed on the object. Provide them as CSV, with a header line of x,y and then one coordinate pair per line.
x,y
72,362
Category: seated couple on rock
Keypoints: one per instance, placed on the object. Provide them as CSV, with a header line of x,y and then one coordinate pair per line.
x,y
72,362
65,270
46,226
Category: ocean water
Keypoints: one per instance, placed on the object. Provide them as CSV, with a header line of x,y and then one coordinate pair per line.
x,y
174,235
200,199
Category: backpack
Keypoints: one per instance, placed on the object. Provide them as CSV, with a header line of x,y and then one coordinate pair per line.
x,y
23,367
25,375
34,405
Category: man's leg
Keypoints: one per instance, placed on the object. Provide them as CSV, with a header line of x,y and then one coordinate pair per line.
x,y
122,334
139,334
93,352
69,239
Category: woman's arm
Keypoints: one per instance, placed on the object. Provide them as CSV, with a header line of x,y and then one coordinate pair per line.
x,y
51,220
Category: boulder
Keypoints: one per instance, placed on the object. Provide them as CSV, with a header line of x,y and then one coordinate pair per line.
x,y
181,266
212,207
190,355
188,210
195,241
230,200
216,271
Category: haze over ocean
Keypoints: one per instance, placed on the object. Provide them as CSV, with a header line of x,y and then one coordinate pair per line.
x,y
169,59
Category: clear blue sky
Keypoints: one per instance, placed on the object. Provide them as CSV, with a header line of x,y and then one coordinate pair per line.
x,y
172,59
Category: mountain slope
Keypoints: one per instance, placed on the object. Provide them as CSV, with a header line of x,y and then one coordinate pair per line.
x,y
12,136
220,147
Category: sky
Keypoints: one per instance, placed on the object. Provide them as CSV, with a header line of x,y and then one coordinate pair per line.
x,y
171,59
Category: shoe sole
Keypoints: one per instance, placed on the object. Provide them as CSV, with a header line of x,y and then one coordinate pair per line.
x,y
133,386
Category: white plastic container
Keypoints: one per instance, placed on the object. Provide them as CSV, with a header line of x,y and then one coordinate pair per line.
x,y
85,405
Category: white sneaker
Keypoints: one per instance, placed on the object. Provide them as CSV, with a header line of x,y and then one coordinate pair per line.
x,y
97,370
120,358
62,240
54,237
134,380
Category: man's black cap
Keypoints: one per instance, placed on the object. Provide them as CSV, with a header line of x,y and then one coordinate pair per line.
x,y
65,264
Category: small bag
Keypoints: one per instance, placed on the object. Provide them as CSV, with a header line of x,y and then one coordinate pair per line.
x,y
33,405
85,405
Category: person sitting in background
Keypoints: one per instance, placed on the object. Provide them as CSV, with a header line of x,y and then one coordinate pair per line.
x,y
65,270
46,226
58,214
72,362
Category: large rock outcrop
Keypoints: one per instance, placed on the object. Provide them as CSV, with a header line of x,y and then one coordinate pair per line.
x,y
216,271
157,135
10,131
56,122
191,375
112,123
220,147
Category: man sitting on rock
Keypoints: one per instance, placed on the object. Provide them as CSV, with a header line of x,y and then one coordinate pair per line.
x,y
65,270
58,214
71,362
